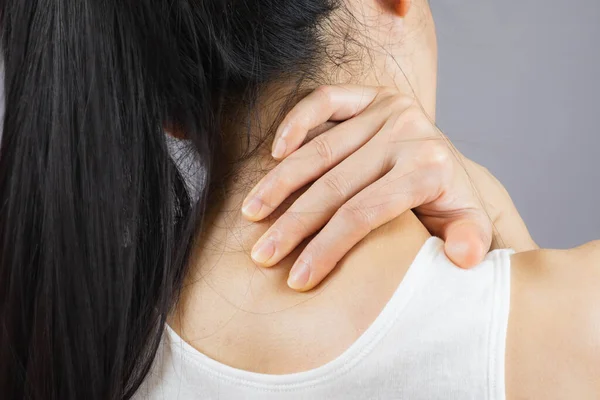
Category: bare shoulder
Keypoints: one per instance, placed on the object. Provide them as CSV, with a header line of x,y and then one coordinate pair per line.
x,y
553,343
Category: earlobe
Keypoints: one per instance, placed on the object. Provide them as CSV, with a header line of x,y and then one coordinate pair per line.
x,y
174,130
402,7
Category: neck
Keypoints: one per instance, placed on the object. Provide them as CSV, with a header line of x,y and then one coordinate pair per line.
x,y
221,261
224,246
236,312
222,279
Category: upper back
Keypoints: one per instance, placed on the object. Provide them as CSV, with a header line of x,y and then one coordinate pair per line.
x,y
553,341
440,336
443,334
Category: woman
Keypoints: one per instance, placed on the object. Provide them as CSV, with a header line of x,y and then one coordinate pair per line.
x,y
100,245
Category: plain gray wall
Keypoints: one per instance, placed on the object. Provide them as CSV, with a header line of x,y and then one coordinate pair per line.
x,y
519,92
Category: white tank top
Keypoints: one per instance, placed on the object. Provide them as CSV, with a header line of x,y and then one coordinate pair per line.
x,y
441,336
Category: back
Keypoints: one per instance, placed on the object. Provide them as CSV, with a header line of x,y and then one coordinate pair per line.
x,y
441,336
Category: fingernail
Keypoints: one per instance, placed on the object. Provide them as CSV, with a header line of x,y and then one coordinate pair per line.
x,y
285,131
263,251
251,207
299,276
279,148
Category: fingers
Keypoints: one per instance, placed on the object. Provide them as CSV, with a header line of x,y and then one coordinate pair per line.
x,y
509,228
468,238
310,162
326,103
377,124
318,204
392,195
459,218
511,231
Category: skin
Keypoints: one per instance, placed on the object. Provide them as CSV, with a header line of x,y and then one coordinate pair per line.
x,y
248,318
553,343
417,168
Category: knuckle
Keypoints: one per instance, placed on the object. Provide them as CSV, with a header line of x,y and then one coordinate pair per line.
x,y
385,99
282,180
437,155
323,149
293,224
403,102
397,105
337,184
386,92
413,121
324,93
419,119
359,217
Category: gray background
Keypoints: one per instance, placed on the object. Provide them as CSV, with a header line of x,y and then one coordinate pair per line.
x,y
519,92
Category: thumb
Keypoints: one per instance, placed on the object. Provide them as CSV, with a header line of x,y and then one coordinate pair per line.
x,y
467,239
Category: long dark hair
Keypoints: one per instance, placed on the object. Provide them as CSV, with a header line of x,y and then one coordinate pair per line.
x,y
95,223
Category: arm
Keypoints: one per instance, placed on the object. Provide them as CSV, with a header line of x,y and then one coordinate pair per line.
x,y
553,343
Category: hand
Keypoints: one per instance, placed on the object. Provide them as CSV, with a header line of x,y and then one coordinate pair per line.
x,y
509,228
384,158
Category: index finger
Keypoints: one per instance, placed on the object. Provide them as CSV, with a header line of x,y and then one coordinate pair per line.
x,y
326,103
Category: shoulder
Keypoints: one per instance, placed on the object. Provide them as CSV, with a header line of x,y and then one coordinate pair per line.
x,y
553,342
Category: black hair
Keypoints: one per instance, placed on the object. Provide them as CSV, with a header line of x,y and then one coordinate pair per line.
x,y
95,223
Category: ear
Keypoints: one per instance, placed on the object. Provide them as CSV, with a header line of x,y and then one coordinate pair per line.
x,y
174,130
401,7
